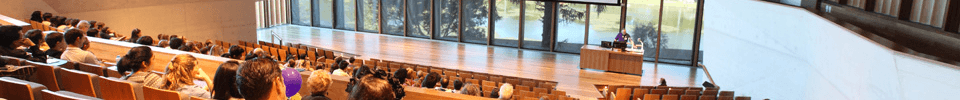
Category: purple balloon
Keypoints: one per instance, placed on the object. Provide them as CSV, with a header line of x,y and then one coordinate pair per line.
x,y
292,79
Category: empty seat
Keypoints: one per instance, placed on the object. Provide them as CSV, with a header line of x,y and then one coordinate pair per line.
x,y
651,97
47,75
90,68
65,95
726,93
688,97
547,95
488,83
623,94
725,98
78,82
329,54
525,93
639,92
710,92
742,98
541,90
675,91
549,85
112,72
473,81
120,89
69,65
480,76
670,97
708,97
513,81
658,91
691,92
161,94
522,87
16,89
529,82
495,78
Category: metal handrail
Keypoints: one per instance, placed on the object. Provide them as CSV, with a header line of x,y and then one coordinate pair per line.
x,y
709,77
275,36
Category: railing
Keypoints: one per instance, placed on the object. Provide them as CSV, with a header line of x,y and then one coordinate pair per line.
x,y
273,36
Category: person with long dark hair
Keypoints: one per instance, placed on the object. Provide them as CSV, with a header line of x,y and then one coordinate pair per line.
x,y
37,54
138,61
224,81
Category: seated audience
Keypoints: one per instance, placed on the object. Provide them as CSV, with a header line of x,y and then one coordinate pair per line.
x,y
471,89
430,81
317,85
457,84
259,79
36,16
135,35
138,61
105,35
36,51
93,32
11,43
235,52
188,47
74,52
83,25
145,40
181,74
495,93
175,43
224,81
372,88
47,17
506,92
54,39
164,44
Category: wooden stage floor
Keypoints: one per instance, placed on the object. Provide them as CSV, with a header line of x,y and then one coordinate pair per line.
x,y
508,61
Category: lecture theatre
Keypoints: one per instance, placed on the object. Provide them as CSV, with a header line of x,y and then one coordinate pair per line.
x,y
479,49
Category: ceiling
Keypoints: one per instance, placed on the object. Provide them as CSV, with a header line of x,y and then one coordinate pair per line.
x,y
73,6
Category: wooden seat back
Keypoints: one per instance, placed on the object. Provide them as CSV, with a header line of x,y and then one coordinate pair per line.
x,y
90,68
638,93
16,89
64,95
688,97
78,82
120,89
47,75
651,97
623,93
161,94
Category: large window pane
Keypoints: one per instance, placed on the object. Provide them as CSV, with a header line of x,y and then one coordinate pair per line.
x,y
392,17
447,19
604,23
570,27
537,23
323,15
418,16
475,21
676,39
507,23
368,15
346,14
300,12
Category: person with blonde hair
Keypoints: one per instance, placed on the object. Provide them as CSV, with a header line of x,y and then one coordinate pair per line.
x,y
506,92
317,85
181,73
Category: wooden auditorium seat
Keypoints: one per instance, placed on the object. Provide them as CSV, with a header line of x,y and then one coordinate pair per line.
x,y
69,65
65,95
496,78
558,92
708,97
120,89
710,92
638,93
13,61
112,72
675,91
623,94
658,91
47,75
512,80
529,82
726,93
691,92
670,97
688,97
16,89
78,82
151,93
725,98
90,68
742,98
651,97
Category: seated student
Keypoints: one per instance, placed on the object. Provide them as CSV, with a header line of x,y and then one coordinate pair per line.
x,y
105,35
36,51
54,39
235,52
175,43
430,81
259,79
317,85
224,81
214,49
506,92
138,61
135,36
372,88
163,44
258,53
74,52
181,74
11,41
457,85
145,40
36,16
189,47
93,32
471,89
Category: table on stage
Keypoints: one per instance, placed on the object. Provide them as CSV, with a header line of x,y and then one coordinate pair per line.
x,y
608,59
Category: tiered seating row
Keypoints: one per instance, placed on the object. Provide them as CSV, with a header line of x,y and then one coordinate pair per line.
x,y
666,93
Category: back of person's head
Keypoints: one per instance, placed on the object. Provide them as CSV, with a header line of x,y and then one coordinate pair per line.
x,y
36,16
101,26
401,74
53,39
145,40
430,80
318,82
83,25
471,89
47,16
137,59
188,47
73,36
135,32
494,93
163,43
93,32
73,21
444,81
224,81
180,71
506,91
175,43
35,36
105,35
258,77
372,88
10,35
457,84
235,52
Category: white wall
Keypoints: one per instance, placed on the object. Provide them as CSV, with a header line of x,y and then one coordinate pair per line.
x,y
227,20
21,9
